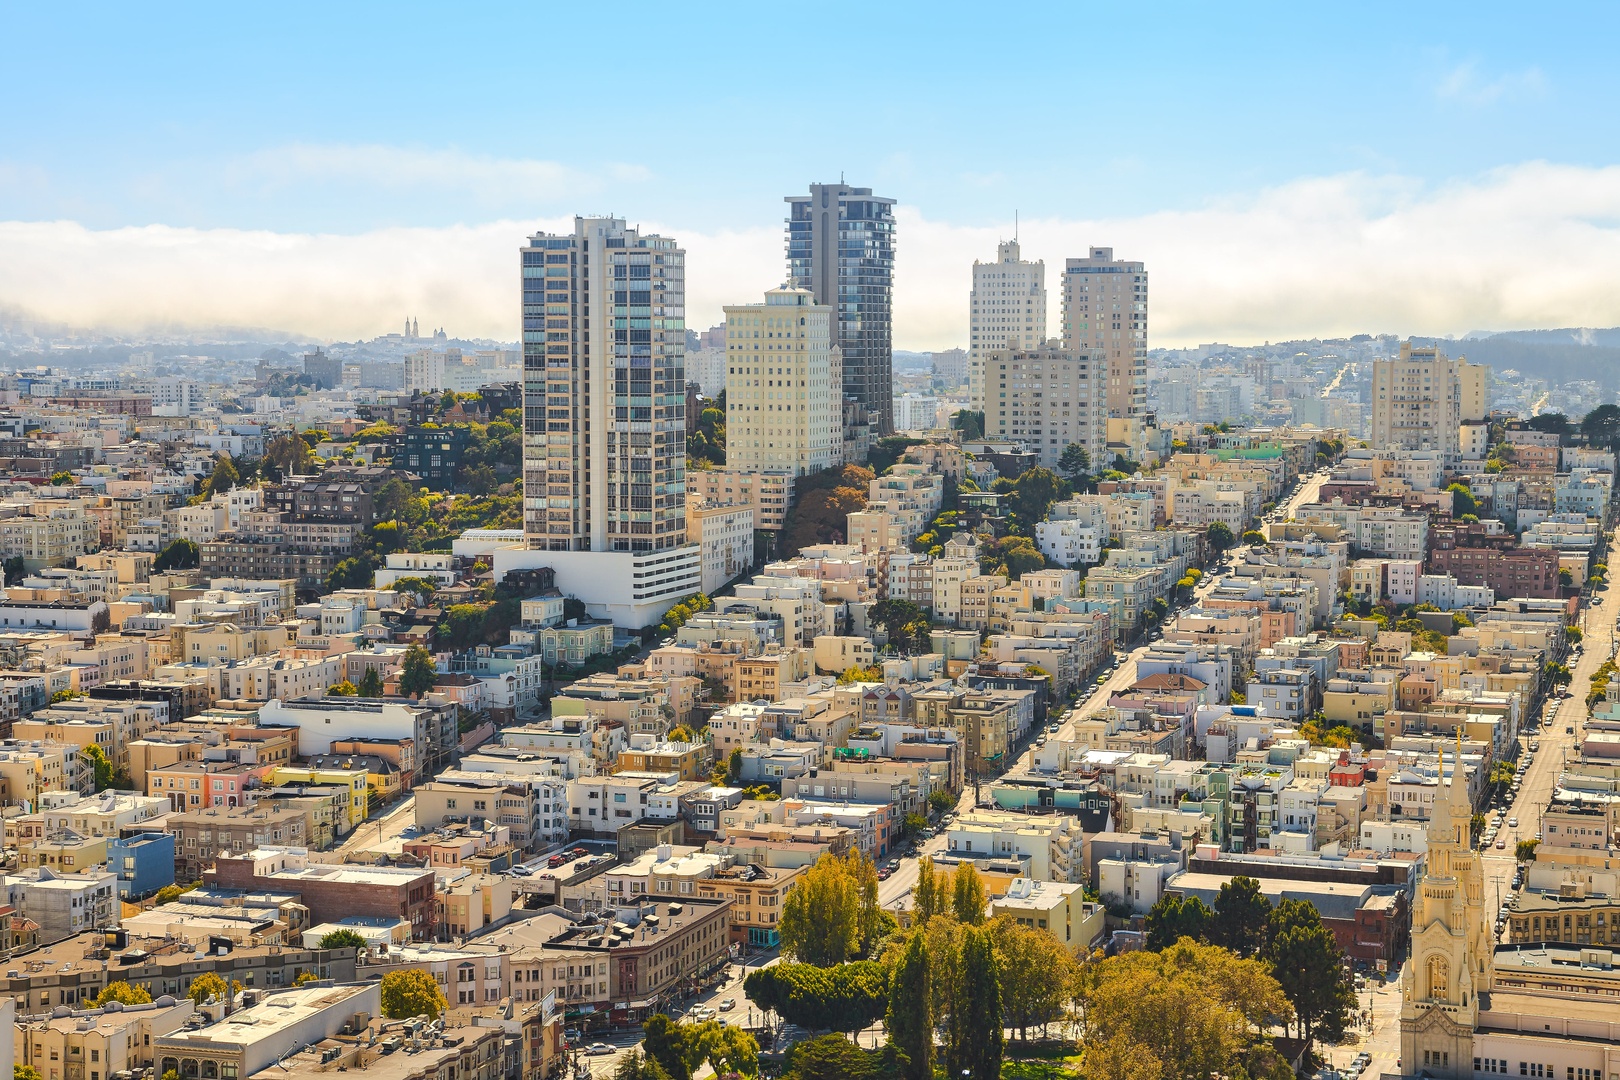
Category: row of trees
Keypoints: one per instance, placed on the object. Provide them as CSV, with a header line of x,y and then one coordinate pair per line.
x,y
832,915
1301,953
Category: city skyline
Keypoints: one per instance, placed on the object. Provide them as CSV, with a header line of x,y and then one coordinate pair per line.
x,y
1409,174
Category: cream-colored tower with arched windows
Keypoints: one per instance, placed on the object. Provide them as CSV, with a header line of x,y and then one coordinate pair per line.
x,y
1452,956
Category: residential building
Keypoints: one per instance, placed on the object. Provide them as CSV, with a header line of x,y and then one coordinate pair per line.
x,y
623,551
840,242
1105,314
1006,311
333,892
1058,907
1421,398
724,535
1045,398
784,385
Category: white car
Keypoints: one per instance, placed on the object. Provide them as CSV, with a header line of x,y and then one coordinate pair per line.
x,y
598,1049
1513,823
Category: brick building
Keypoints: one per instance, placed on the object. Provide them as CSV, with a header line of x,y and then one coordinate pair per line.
x,y
333,891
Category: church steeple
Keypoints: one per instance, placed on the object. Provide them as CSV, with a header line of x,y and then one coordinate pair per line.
x,y
1452,959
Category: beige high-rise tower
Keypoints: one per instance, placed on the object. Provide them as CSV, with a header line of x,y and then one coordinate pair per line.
x,y
1007,310
1421,398
1105,312
784,385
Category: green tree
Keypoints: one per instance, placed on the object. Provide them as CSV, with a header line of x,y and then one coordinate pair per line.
x,y
1253,536
411,992
1220,536
1550,423
941,801
674,1046
1074,464
211,986
62,479
170,893
821,916
967,895
1036,970
417,673
903,621
397,501
910,1017
1242,916
99,762
1175,917
1601,426
289,454
421,587
1525,850
976,1038
840,997
342,939
355,572
342,689
20,1071
969,423
734,765
371,684
1307,964
1032,495
124,993
1194,1009
638,1066
928,895
833,1057
14,569
224,477
1462,500
178,555
728,1050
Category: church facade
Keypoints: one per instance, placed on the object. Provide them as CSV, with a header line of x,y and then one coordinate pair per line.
x,y
1470,1009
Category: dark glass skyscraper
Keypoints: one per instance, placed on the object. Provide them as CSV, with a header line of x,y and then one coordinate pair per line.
x,y
841,248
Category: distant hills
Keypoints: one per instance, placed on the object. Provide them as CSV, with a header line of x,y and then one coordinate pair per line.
x,y
1555,355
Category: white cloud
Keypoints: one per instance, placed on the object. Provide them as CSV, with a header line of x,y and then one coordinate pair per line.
x,y
1532,245
1464,83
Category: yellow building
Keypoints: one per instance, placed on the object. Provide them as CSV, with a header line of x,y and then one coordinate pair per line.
x,y
1355,702
354,780
646,754
760,677
67,854
1055,906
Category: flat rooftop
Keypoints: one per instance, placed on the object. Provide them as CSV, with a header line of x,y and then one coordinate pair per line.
x,y
269,1019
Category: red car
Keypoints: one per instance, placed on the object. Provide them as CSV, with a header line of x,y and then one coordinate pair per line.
x,y
883,874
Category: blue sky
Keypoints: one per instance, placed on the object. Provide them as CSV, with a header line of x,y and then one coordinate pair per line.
x,y
402,137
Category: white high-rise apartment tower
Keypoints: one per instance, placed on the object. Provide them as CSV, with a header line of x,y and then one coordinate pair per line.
x,y
1421,399
1105,311
1006,311
784,385
604,419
